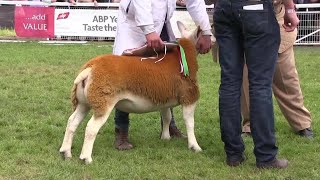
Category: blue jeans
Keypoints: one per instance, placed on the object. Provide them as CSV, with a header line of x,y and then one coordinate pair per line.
x,y
255,35
121,120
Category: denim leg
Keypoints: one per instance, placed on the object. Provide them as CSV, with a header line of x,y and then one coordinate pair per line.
x,y
229,101
254,34
231,63
121,120
261,52
262,39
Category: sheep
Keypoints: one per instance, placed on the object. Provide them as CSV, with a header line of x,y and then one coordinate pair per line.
x,y
131,85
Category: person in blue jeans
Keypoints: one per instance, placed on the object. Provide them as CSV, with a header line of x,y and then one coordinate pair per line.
x,y
248,28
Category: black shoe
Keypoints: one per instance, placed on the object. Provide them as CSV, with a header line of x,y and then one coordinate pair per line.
x,y
307,132
235,162
276,163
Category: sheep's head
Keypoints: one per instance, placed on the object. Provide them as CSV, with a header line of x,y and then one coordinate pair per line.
x,y
192,35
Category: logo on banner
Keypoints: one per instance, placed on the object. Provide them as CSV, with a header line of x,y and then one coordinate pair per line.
x,y
85,22
34,21
63,15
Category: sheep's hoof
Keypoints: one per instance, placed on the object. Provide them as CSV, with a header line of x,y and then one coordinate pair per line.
x,y
66,155
165,137
195,148
87,160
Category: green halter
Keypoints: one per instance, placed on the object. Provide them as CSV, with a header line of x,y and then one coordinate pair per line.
x,y
183,61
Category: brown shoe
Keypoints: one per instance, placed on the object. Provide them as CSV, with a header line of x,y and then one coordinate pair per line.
x,y
235,163
122,142
276,163
175,132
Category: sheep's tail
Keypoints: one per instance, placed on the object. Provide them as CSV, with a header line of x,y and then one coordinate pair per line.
x,y
74,99
83,75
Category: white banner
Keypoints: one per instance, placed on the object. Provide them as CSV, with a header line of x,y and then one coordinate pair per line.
x,y
102,23
85,22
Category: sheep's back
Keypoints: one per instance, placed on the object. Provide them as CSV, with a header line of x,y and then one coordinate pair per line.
x,y
160,82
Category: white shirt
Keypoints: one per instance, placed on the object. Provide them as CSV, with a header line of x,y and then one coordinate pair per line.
x,y
137,18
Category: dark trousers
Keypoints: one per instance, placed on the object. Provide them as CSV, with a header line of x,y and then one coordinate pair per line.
x,y
122,118
255,35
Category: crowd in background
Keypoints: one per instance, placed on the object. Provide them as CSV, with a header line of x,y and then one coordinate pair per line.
x,y
307,1
73,1
179,2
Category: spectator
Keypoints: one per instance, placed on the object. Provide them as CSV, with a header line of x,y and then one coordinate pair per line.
x,y
181,3
84,1
209,2
109,1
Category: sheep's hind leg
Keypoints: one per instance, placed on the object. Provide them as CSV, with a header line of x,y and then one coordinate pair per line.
x,y
74,120
166,118
92,129
188,116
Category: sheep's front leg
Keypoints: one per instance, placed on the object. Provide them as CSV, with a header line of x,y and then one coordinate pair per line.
x,y
166,118
92,129
188,116
74,120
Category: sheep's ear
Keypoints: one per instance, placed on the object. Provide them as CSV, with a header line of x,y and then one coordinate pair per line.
x,y
182,28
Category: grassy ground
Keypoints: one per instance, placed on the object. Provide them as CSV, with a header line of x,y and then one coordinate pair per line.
x,y
35,86
7,32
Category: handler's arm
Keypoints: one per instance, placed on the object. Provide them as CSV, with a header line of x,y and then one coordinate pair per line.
x,y
291,19
197,11
143,16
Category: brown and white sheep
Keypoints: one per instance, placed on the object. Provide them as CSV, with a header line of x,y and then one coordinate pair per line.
x,y
131,85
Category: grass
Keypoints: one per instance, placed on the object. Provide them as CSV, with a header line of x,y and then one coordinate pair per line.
x,y
7,32
35,86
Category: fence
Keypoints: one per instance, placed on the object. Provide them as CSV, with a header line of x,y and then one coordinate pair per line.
x,y
309,27
308,30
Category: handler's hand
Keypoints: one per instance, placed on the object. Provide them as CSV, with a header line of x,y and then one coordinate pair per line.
x,y
204,44
291,21
154,40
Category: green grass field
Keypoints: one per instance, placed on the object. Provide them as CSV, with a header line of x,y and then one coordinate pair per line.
x,y
35,85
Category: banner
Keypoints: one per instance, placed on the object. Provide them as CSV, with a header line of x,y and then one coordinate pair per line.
x,y
34,21
7,17
85,22
46,22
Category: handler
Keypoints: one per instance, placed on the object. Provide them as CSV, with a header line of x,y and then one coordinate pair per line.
x,y
248,28
148,22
